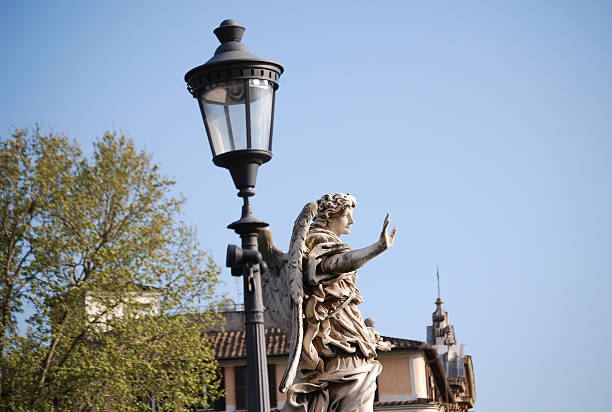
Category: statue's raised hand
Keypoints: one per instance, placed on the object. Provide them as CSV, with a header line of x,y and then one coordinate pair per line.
x,y
386,239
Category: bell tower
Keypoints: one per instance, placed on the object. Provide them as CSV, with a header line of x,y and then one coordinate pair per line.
x,y
441,334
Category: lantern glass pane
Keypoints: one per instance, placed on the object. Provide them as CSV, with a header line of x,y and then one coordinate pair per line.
x,y
225,115
260,97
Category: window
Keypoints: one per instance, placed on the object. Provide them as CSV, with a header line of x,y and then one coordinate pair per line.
x,y
272,384
240,386
219,404
240,381
431,384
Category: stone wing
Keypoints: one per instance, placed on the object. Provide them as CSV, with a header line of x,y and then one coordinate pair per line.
x,y
283,288
275,286
295,279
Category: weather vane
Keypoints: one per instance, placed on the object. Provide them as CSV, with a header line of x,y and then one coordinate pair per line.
x,y
438,276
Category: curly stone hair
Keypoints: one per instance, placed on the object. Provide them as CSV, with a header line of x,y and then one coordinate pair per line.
x,y
329,206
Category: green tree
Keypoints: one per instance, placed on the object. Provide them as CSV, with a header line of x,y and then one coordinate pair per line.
x,y
119,288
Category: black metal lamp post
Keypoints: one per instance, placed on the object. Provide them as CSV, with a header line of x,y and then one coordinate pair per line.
x,y
235,91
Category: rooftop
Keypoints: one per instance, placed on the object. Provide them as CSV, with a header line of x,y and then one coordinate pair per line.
x,y
231,344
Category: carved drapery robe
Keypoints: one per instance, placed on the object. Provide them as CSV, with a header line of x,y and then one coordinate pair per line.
x,y
337,369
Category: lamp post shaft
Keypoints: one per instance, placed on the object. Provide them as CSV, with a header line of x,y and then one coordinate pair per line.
x,y
257,366
258,393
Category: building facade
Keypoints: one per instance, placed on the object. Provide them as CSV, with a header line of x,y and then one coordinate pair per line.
x,y
417,376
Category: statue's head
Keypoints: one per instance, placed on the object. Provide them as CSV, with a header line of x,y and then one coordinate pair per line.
x,y
335,213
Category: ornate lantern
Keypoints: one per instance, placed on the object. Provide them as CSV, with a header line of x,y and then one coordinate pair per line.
x,y
235,90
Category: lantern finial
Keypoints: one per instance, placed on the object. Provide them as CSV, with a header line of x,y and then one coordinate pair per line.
x,y
228,31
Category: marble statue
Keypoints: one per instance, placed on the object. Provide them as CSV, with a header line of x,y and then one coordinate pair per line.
x,y
310,293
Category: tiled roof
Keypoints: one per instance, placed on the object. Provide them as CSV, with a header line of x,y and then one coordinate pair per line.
x,y
399,343
419,401
231,344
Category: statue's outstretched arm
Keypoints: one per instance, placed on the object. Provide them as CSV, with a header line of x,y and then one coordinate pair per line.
x,y
354,259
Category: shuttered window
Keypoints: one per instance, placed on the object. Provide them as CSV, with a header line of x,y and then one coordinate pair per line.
x,y
272,382
240,380
240,385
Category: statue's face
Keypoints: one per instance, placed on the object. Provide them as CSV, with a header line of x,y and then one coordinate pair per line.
x,y
341,224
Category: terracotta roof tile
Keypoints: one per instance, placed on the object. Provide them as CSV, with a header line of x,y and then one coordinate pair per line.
x,y
231,344
399,343
419,401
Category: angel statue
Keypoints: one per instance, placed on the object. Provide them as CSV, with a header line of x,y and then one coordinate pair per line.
x,y
310,293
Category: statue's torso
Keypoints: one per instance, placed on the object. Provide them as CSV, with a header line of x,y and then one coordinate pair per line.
x,y
333,323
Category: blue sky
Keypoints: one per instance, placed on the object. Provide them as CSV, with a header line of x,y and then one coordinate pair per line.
x,y
484,128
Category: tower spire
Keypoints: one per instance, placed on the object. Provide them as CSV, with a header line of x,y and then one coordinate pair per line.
x,y
441,332
441,335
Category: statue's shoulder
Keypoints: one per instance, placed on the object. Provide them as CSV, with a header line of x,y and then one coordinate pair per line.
x,y
317,236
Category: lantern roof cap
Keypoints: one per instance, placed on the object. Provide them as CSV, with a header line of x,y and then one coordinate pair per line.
x,y
232,52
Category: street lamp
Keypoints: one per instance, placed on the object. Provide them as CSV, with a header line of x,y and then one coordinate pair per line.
x,y
235,91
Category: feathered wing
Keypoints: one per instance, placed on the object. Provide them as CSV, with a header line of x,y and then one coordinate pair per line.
x,y
283,289
275,286
294,270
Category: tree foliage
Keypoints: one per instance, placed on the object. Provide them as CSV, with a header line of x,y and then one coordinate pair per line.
x,y
115,282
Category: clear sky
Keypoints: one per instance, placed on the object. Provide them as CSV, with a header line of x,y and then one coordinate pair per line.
x,y
484,128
